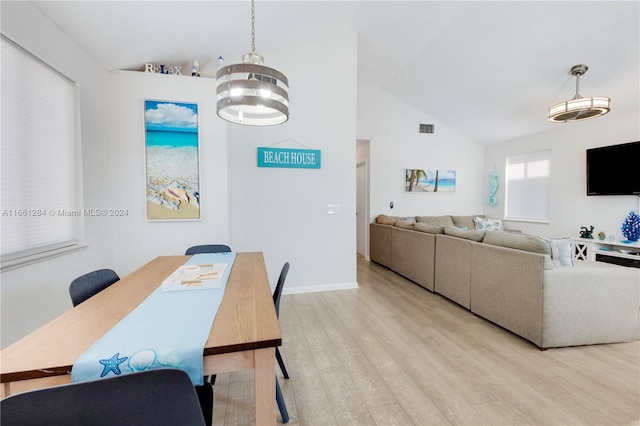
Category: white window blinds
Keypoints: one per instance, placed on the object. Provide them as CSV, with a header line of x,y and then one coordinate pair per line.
x,y
39,209
527,186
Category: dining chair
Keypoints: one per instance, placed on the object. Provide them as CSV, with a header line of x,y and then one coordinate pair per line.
x,y
91,284
276,301
208,248
152,397
205,398
284,414
281,404
205,391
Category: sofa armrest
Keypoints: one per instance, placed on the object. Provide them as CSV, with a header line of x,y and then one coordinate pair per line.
x,y
506,288
413,255
591,303
380,243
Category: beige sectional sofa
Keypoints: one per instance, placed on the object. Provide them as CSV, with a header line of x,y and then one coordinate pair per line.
x,y
513,280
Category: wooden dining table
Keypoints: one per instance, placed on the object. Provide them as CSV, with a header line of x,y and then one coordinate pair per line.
x,y
243,335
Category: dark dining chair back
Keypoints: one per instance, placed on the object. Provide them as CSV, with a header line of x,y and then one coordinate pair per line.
x,y
276,301
91,284
205,392
208,248
279,286
153,397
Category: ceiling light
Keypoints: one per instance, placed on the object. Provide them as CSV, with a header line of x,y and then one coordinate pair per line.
x,y
250,93
579,108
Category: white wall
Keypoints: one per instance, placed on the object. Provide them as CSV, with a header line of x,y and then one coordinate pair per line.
x,y
395,145
283,212
570,208
32,295
137,240
278,211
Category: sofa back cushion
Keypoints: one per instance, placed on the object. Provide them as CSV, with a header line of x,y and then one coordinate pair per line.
x,y
404,224
468,234
517,241
383,219
465,221
435,220
429,229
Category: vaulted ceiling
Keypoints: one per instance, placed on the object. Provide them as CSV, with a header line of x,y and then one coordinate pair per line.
x,y
488,69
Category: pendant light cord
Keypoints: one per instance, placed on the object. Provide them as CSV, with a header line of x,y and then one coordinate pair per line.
x,y
253,27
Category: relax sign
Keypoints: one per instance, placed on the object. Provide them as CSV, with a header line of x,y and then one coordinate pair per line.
x,y
289,158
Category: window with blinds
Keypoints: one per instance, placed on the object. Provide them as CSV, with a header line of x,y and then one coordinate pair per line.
x,y
527,186
40,133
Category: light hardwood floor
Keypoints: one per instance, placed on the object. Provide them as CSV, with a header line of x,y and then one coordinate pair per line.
x,y
393,353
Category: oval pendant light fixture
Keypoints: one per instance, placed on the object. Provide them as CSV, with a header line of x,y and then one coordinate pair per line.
x,y
579,108
251,93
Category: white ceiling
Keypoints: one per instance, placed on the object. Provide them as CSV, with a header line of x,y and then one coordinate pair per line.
x,y
487,69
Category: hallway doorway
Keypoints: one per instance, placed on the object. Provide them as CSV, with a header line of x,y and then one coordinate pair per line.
x,y
362,197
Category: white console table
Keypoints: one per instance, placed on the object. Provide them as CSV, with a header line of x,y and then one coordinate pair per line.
x,y
589,249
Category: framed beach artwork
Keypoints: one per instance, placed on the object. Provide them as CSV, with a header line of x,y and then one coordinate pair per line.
x,y
434,181
173,173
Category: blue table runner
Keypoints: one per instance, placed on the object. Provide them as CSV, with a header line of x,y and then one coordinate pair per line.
x,y
167,330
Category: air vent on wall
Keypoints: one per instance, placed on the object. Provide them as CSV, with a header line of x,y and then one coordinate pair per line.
x,y
426,128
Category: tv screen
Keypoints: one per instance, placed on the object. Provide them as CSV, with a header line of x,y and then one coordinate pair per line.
x,y
614,170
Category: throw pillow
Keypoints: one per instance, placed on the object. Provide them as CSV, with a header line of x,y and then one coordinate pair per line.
x,y
485,224
555,253
565,250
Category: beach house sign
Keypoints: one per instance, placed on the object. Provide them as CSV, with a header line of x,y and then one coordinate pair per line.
x,y
289,158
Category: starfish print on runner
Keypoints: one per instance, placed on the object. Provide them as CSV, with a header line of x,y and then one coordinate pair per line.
x,y
112,364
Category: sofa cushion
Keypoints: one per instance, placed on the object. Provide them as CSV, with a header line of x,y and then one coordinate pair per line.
x,y
383,219
430,229
436,220
470,234
401,223
517,241
485,224
465,221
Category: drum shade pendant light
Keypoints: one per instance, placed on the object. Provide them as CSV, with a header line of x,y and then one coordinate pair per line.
x,y
579,108
250,93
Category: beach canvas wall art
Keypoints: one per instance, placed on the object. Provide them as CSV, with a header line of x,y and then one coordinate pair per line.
x,y
434,181
173,173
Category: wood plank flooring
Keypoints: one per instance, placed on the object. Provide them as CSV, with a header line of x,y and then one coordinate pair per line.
x,y
393,353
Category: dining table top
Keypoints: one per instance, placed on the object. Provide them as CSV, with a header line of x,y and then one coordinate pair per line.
x,y
246,319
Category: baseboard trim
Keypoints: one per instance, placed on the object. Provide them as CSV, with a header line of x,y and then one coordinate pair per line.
x,y
318,288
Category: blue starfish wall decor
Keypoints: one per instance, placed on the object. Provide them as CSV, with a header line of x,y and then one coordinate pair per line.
x,y
112,364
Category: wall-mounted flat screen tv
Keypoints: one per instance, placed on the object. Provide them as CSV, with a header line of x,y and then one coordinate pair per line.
x,y
614,170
